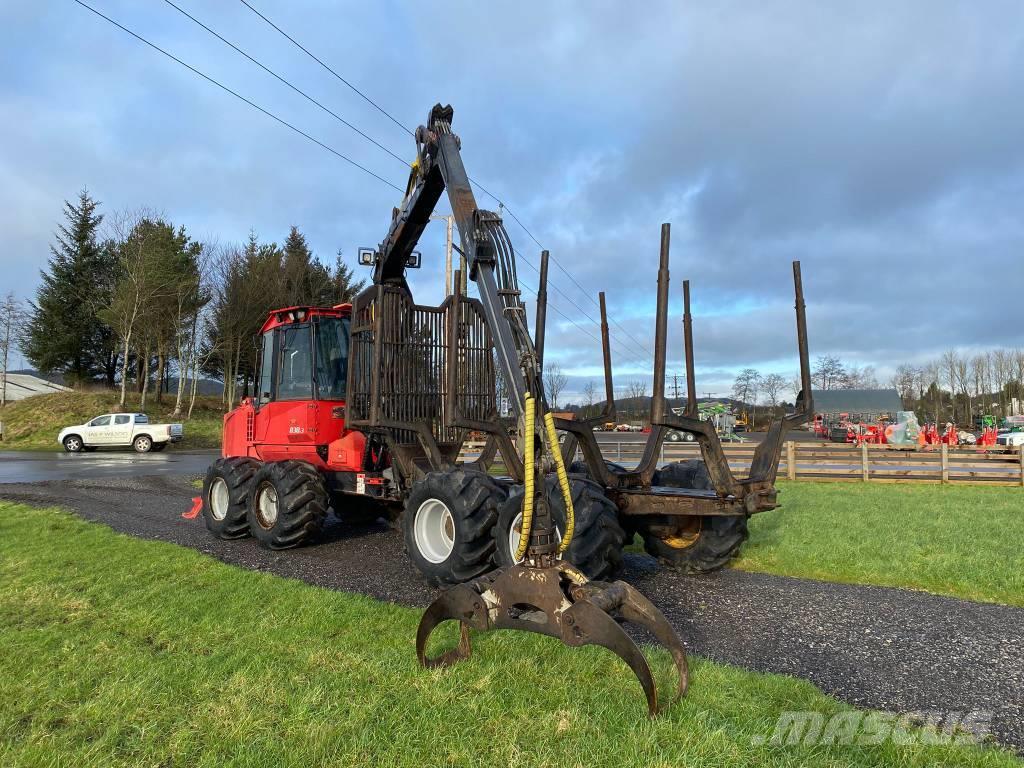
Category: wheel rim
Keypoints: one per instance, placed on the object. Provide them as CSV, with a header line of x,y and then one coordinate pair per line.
x,y
72,444
434,531
266,506
143,444
689,437
219,500
515,535
686,535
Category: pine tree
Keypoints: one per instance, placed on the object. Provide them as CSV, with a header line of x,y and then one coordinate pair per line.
x,y
344,286
64,333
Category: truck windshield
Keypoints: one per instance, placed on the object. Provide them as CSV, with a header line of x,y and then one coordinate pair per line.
x,y
331,357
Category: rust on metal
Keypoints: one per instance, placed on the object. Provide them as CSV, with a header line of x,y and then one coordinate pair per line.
x,y
558,601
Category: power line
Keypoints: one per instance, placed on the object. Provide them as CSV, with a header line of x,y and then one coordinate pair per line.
x,y
285,123
295,88
240,97
299,45
645,349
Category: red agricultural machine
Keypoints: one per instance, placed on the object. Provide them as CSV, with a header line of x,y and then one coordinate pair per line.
x,y
364,408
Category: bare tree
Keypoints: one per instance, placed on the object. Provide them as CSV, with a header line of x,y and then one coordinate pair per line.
x,y
856,377
138,283
905,381
948,366
636,391
828,371
589,395
10,316
773,384
554,383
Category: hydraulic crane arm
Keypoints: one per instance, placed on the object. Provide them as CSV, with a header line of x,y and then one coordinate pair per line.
x,y
438,168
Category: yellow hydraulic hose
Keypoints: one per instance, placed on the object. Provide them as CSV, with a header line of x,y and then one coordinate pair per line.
x,y
563,481
528,465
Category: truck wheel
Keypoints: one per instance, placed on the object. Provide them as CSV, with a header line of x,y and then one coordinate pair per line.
x,y
226,492
696,544
73,444
509,527
143,444
448,522
598,538
288,504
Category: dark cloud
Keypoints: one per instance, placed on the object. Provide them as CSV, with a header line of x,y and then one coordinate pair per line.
x,y
879,144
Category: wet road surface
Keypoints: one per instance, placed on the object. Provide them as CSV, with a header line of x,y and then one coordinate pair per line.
x,y
38,466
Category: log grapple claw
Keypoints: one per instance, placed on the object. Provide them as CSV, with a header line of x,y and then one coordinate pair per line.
x,y
561,602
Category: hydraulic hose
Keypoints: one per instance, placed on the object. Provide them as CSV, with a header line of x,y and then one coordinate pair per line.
x,y
529,411
563,481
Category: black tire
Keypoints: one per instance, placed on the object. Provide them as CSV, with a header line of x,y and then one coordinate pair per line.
x,y
598,537
674,436
231,482
288,504
689,437
699,544
143,444
73,444
448,524
581,468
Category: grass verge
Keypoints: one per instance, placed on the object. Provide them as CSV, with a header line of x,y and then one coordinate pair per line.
x,y
116,651
33,423
959,541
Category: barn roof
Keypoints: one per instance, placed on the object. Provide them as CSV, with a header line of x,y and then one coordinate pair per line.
x,y
857,401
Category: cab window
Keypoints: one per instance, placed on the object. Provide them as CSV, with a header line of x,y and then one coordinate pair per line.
x,y
295,363
122,419
266,373
331,357
101,421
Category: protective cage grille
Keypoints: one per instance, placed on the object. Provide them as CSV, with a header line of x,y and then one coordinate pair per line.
x,y
399,372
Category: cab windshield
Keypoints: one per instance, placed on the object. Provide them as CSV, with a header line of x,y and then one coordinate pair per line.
x,y
331,358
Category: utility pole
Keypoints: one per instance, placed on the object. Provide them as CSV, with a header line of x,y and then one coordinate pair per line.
x,y
448,253
675,386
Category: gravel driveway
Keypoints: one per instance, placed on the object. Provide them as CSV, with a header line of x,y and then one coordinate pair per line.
x,y
874,647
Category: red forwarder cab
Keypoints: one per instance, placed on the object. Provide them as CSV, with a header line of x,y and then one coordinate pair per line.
x,y
298,410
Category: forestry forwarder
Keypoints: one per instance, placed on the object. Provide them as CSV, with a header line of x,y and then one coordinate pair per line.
x,y
364,408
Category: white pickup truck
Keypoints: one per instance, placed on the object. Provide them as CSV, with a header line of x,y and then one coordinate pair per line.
x,y
120,430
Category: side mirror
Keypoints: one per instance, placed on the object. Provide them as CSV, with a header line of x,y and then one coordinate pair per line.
x,y
413,262
367,257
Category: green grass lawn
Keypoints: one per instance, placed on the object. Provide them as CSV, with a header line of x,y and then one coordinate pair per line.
x,y
117,651
33,423
963,541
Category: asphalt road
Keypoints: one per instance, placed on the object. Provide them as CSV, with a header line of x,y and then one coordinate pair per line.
x,y
37,466
879,648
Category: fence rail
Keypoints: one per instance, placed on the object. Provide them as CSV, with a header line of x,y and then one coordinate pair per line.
x,y
838,462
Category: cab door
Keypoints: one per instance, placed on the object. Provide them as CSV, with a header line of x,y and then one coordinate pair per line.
x,y
97,431
121,429
286,412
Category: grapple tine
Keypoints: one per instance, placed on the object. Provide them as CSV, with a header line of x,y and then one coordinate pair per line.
x,y
640,611
460,603
586,624
632,606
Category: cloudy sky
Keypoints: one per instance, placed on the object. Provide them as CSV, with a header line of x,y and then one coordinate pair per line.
x,y
880,143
